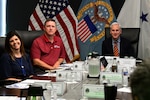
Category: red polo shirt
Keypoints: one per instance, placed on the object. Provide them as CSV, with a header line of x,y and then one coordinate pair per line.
x,y
47,51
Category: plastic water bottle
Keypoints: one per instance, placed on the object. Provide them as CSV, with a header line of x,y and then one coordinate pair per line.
x,y
47,91
125,77
54,93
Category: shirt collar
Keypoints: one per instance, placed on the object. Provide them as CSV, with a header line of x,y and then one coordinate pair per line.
x,y
115,40
46,39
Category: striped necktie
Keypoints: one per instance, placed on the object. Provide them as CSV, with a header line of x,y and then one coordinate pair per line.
x,y
116,51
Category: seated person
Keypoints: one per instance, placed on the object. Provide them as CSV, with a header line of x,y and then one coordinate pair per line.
x,y
140,81
116,45
47,51
15,64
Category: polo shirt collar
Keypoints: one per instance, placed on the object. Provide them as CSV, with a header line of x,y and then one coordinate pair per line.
x,y
46,39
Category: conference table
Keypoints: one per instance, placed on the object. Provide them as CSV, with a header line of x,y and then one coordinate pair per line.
x,y
73,90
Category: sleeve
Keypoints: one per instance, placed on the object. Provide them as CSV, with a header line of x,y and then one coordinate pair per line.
x,y
5,67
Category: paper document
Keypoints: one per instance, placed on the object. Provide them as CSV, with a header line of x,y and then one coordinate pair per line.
x,y
11,98
124,89
18,86
25,84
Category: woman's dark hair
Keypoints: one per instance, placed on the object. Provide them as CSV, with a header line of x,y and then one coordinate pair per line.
x,y
7,44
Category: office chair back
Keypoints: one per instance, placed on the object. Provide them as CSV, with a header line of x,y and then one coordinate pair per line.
x,y
2,45
28,37
131,34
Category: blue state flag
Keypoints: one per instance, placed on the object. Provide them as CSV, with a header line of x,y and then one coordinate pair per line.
x,y
101,15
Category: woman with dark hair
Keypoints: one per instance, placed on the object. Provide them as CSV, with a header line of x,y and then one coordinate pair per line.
x,y
15,64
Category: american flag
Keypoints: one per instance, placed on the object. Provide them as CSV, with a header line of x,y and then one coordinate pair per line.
x,y
86,28
66,21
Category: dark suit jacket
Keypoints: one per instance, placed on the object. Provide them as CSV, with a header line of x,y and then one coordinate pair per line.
x,y
125,47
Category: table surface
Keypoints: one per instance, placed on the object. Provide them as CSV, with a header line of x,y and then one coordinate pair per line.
x,y
73,92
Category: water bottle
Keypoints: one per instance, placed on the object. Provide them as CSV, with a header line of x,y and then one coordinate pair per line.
x,y
47,91
54,93
50,92
125,77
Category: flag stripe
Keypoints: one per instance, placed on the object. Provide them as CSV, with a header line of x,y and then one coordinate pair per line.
x,y
40,24
83,31
81,26
73,25
67,57
86,36
36,18
61,21
31,25
73,21
64,39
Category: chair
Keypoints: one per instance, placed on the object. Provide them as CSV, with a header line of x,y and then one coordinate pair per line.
x,y
28,37
131,34
2,45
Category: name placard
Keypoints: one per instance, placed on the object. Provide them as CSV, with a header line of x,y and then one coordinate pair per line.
x,y
60,87
126,62
112,78
93,91
63,75
78,65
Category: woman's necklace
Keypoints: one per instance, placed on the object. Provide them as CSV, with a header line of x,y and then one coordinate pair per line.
x,y
19,60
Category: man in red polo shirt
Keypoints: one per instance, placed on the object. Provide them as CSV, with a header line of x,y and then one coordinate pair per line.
x,y
47,51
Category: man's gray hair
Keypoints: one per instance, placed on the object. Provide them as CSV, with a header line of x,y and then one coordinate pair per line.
x,y
115,23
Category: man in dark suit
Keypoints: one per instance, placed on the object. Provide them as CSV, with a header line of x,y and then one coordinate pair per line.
x,y
123,45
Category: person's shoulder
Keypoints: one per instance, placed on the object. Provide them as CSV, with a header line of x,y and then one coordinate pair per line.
x,y
108,39
124,39
5,56
38,39
26,57
26,54
57,38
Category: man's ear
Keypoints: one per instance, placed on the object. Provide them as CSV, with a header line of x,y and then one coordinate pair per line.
x,y
120,31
